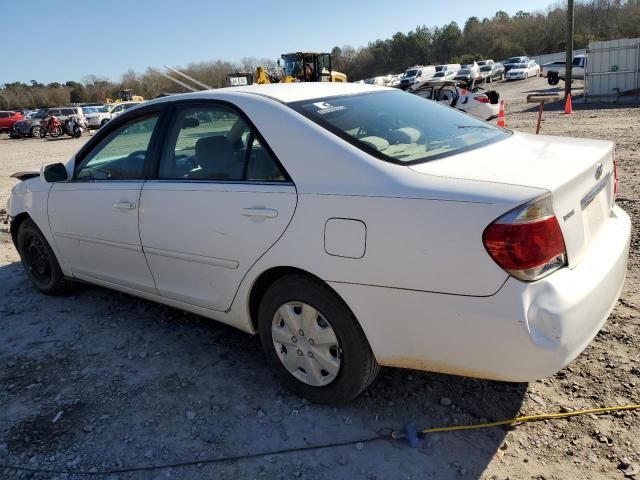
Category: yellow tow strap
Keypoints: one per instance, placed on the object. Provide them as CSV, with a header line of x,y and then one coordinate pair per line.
x,y
526,418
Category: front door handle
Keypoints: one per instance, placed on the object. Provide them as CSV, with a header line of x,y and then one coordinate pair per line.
x,y
125,205
260,212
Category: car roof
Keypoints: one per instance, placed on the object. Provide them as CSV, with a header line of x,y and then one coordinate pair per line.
x,y
284,92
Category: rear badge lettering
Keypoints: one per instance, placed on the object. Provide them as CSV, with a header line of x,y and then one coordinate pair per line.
x,y
568,215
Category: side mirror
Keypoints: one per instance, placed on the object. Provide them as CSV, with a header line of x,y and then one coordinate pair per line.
x,y
55,172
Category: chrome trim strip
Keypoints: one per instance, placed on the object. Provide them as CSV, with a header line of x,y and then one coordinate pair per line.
x,y
593,193
188,257
108,243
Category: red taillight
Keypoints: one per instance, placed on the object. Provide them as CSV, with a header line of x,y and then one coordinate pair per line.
x,y
482,99
527,242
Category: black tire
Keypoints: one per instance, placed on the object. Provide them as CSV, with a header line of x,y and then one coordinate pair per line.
x,y
554,80
104,120
39,261
358,367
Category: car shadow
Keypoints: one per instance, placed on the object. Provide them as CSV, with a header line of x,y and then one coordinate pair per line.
x,y
141,384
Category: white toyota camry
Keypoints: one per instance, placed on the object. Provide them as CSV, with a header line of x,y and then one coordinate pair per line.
x,y
349,226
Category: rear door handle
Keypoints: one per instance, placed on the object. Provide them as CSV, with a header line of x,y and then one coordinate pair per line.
x,y
260,212
125,205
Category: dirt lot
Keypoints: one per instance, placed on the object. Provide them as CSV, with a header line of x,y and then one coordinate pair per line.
x,y
102,382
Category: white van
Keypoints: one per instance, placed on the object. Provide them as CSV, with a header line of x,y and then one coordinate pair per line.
x,y
419,73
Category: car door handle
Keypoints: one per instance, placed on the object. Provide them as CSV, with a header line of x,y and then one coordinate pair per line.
x,y
260,212
125,205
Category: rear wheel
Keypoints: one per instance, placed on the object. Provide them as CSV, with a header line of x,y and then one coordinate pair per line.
x,y
313,341
39,261
55,132
36,131
104,120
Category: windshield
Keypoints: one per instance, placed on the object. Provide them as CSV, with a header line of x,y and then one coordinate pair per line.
x,y
410,73
485,68
514,60
520,65
399,127
464,71
92,109
39,114
439,74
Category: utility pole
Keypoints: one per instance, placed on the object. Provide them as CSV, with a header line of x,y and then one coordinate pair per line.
x,y
569,52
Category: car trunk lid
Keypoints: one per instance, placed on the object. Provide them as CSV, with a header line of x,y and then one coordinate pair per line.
x,y
578,173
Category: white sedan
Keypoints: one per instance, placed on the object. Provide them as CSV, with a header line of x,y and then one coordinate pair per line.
x,y
483,104
350,226
521,71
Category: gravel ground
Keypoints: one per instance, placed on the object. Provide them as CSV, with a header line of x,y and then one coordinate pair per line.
x,y
102,382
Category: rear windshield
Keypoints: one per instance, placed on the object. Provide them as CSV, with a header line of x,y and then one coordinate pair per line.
x,y
399,127
485,68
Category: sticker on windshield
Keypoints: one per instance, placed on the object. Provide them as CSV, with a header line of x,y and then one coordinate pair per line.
x,y
325,107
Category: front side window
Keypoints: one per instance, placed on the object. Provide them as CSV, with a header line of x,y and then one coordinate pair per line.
x,y
121,155
215,143
399,127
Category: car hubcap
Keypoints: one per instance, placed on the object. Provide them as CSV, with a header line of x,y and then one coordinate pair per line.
x,y
36,131
38,260
306,344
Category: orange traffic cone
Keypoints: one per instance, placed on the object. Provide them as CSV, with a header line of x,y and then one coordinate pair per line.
x,y
501,115
567,105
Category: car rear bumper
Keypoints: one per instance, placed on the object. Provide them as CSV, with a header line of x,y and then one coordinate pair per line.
x,y
523,332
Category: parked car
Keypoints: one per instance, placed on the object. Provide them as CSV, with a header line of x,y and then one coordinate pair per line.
x,y
521,71
8,119
89,109
30,127
415,74
443,75
465,75
483,104
557,72
349,226
492,72
107,112
508,65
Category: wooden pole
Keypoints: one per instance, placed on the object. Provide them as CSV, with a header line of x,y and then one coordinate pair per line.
x,y
569,52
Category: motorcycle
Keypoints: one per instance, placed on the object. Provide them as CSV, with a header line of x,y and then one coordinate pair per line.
x,y
74,126
51,126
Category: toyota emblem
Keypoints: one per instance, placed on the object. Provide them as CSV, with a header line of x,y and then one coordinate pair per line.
x,y
598,171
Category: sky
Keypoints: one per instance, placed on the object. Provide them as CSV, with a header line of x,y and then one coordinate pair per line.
x,y
106,38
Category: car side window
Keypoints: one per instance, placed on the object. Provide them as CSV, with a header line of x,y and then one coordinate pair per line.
x,y
121,154
55,112
4,115
216,143
68,111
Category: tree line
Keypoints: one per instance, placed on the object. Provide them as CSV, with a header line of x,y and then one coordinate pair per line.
x,y
498,37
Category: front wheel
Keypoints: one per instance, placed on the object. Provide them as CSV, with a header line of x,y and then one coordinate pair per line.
x,y
39,261
55,132
313,341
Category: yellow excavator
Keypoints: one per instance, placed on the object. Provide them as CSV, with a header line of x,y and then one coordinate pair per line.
x,y
295,67
125,96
